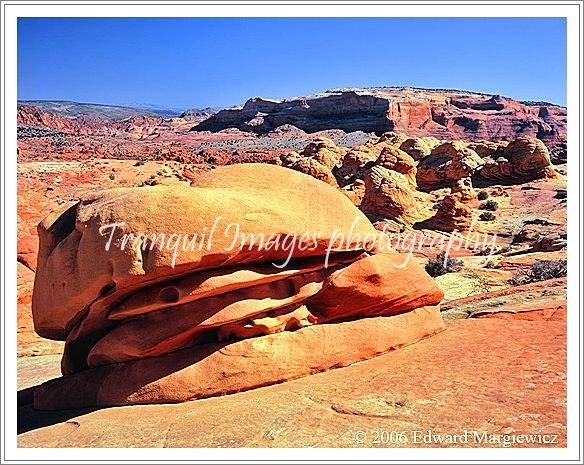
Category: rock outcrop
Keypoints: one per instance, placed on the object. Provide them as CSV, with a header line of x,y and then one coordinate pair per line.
x,y
147,322
404,387
447,163
318,159
355,162
444,114
378,177
419,147
33,116
487,148
523,160
452,215
198,113
467,195
388,194
394,159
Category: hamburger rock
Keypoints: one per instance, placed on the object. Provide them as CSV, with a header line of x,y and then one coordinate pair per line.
x,y
288,280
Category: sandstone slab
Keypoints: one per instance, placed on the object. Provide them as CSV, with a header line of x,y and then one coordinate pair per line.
x,y
216,369
481,385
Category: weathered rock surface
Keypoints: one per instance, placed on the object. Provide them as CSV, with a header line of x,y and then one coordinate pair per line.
x,y
52,173
452,215
198,113
29,342
73,258
325,151
486,148
318,159
355,162
172,315
445,114
399,287
397,160
551,242
312,167
393,138
419,147
388,194
378,177
217,369
464,189
33,116
447,163
521,161
482,386
544,300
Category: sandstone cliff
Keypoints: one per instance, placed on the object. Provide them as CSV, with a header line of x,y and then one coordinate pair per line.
x,y
445,114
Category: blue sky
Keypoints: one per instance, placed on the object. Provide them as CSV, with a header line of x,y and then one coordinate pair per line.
x,y
218,62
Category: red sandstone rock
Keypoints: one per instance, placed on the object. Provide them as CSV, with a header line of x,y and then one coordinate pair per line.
x,y
394,159
521,161
399,287
222,300
129,303
512,377
388,194
29,342
452,215
28,249
317,160
486,148
218,369
325,152
418,147
355,162
444,114
312,167
393,138
447,163
463,187
537,201
81,277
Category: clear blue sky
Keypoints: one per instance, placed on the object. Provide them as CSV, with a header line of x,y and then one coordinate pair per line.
x,y
218,62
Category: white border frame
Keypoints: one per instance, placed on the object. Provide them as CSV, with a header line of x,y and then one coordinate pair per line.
x,y
572,10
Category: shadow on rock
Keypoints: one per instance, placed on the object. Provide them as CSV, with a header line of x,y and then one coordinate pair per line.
x,y
29,419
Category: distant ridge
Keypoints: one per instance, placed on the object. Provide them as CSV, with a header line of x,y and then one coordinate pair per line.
x,y
74,109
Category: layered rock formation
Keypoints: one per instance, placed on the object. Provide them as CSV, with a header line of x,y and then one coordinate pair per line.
x,y
355,162
464,188
394,159
378,176
145,322
447,163
318,159
33,116
198,113
452,215
445,114
487,148
419,147
384,181
388,194
523,160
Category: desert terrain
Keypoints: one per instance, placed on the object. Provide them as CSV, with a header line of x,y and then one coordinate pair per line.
x,y
482,177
